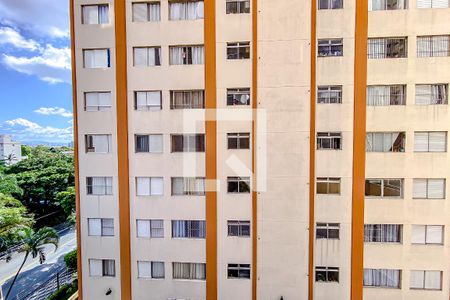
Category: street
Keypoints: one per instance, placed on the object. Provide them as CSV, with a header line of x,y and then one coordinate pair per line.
x,y
33,274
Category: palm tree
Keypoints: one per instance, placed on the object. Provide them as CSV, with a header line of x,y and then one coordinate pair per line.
x,y
33,243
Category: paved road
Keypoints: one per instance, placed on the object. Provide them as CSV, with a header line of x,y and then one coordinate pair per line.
x,y
33,274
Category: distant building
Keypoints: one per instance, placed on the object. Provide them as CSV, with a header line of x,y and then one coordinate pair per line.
x,y
10,152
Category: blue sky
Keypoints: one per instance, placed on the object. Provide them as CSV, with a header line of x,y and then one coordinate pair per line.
x,y
35,72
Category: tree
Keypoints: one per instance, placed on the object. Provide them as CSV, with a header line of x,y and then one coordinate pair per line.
x,y
71,260
66,200
34,243
13,217
9,185
26,150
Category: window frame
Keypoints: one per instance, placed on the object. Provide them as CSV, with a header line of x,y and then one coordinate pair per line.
x,y
425,227
188,193
108,58
329,90
152,226
428,142
103,227
157,58
98,13
148,4
242,49
327,46
329,5
187,96
239,137
243,271
190,143
242,7
333,138
388,45
108,188
239,230
401,148
425,279
327,228
326,270
328,181
379,237
245,180
233,93
383,180
427,197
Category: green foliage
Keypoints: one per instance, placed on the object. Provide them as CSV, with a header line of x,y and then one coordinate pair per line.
x,y
71,260
9,185
13,216
64,293
26,150
66,200
45,173
34,241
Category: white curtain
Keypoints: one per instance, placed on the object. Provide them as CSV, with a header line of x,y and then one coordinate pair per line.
x,y
177,186
99,186
198,54
417,279
423,46
377,48
139,12
143,186
101,143
377,5
95,227
440,3
140,57
423,94
154,100
196,271
144,269
141,100
90,14
92,101
143,228
382,278
157,186
179,229
200,185
186,10
382,233
176,55
96,58
433,280
109,267
424,3
103,14
95,267
157,269
440,45
104,100
142,143
156,143
107,227
151,56
154,13
378,95
439,94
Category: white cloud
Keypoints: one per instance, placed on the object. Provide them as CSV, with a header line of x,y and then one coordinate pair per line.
x,y
59,111
10,36
42,18
52,64
25,130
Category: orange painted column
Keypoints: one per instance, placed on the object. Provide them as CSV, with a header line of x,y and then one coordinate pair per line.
x,y
312,151
211,149
75,152
122,149
359,151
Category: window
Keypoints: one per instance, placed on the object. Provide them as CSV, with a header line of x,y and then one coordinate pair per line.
x,y
239,228
239,50
433,4
146,12
192,271
385,141
149,186
430,94
327,274
427,234
428,188
102,268
387,4
150,228
329,141
147,56
426,280
186,10
147,100
101,227
238,271
99,186
383,233
149,143
386,95
95,14
97,58
433,46
328,186
238,140
188,229
331,47
186,55
330,94
187,99
238,184
433,141
384,188
387,47
188,186
97,143
238,96
188,142
151,269
97,101
330,4
327,231
385,278
238,6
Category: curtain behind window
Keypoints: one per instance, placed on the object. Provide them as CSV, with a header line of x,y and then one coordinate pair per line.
x,y
382,277
90,14
103,14
176,55
157,269
198,55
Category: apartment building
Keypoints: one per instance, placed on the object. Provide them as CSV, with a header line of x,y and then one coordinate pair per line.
x,y
10,151
262,149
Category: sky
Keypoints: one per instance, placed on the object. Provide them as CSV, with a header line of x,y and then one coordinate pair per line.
x,y
35,71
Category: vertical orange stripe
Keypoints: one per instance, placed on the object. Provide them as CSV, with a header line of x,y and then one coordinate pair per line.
x,y
312,151
122,149
359,151
211,148
75,144
254,100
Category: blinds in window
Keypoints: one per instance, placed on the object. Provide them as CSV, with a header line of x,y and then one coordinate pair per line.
x,y
98,58
418,234
188,10
95,267
434,234
146,186
433,280
432,3
143,228
421,141
157,269
144,269
436,188
437,141
423,94
417,279
94,227
148,100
